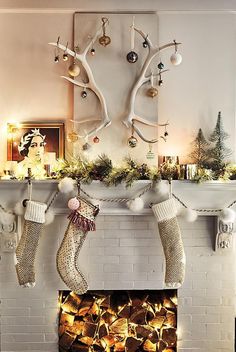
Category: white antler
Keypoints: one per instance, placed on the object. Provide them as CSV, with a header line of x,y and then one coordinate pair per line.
x,y
91,84
132,117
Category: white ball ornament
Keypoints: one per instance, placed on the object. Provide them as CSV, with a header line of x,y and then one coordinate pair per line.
x,y
66,185
49,217
188,214
161,188
19,209
176,59
136,204
73,203
227,215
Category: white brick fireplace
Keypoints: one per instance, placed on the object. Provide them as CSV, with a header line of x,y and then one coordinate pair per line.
x,y
125,253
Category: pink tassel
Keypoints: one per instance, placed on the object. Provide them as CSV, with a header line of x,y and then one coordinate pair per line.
x,y
81,222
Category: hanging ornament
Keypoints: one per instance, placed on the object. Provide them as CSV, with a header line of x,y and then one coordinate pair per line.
x,y
65,55
132,142
104,40
152,91
160,81
73,203
96,139
86,146
57,56
160,65
92,51
176,58
150,155
74,69
145,43
136,204
132,56
84,94
72,137
166,133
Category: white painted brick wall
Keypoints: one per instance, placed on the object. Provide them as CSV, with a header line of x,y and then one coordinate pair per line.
x,y
124,253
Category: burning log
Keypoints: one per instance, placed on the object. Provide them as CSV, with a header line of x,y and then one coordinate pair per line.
x,y
132,344
119,346
162,346
157,322
109,340
66,340
149,346
170,319
71,303
137,298
103,331
66,319
169,336
89,329
125,312
143,330
85,305
76,328
108,317
168,303
86,340
138,316
79,347
119,326
154,336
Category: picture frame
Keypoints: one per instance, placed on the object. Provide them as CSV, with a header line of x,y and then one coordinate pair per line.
x,y
54,138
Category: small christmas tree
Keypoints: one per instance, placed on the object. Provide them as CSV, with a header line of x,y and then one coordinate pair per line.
x,y
219,152
199,153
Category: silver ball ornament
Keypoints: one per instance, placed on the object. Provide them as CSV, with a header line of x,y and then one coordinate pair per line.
x,y
176,59
132,142
132,57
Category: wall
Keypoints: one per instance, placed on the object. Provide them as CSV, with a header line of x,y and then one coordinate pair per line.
x,y
191,97
124,253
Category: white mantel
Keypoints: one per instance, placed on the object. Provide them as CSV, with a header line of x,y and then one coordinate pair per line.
x,y
207,195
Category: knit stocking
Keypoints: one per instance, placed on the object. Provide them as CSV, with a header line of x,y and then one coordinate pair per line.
x,y
81,221
27,247
171,240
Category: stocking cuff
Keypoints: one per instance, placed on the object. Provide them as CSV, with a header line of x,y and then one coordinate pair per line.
x,y
165,210
35,211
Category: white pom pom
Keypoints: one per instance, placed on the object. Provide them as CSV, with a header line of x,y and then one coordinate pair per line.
x,y
188,214
227,215
161,188
66,185
136,204
49,217
19,209
6,218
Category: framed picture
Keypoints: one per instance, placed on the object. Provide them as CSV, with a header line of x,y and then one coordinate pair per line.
x,y
49,137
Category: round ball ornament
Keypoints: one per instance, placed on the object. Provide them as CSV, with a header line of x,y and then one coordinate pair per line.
x,y
72,137
56,59
73,203
74,70
132,57
104,40
152,92
92,51
145,44
65,57
132,142
84,94
176,59
86,146
160,65
96,139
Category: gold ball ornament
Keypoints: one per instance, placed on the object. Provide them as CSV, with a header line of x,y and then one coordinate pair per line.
x,y
74,70
132,142
104,40
72,137
152,92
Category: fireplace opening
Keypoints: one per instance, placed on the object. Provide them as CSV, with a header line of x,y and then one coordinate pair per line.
x,y
118,321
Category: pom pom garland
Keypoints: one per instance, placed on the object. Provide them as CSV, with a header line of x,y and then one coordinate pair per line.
x,y
227,215
136,204
161,188
66,185
73,203
19,209
188,214
49,217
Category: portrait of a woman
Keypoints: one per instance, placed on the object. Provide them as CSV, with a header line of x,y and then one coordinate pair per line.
x,y
32,148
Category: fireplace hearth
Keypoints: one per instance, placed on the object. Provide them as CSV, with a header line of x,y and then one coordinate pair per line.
x,y
118,321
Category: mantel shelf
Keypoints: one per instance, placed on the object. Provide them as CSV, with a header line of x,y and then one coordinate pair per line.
x,y
208,195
